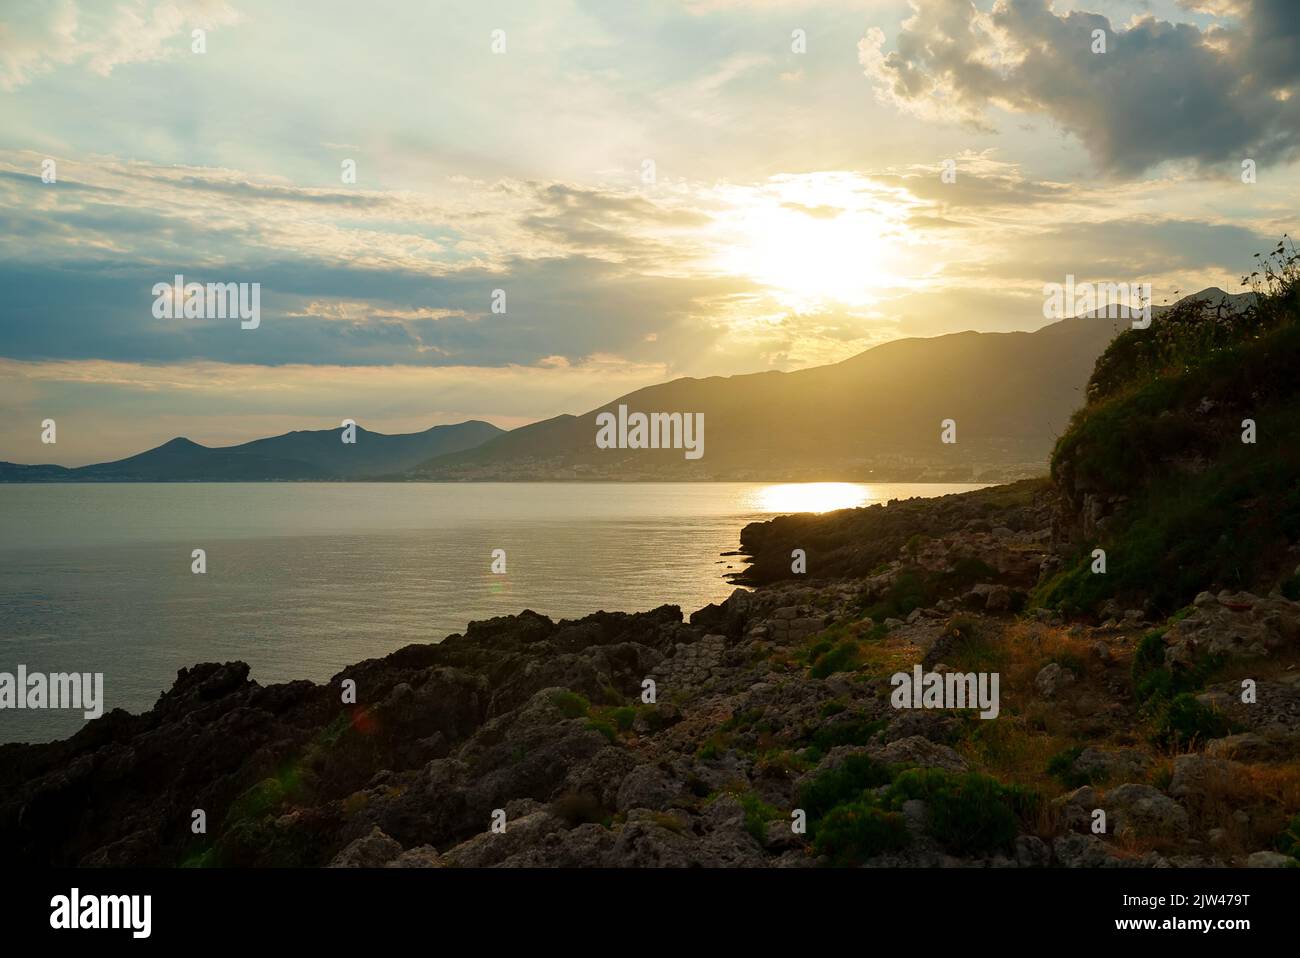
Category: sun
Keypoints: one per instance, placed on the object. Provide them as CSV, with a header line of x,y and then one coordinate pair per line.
x,y
816,239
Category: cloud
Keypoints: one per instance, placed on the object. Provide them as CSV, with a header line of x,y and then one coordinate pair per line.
x,y
1160,92
38,35
697,278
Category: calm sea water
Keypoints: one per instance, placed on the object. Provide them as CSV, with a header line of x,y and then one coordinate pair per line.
x,y
303,579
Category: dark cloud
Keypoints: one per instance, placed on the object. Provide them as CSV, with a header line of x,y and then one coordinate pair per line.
x,y
1160,92
34,181
1129,249
250,190
572,307
982,188
604,224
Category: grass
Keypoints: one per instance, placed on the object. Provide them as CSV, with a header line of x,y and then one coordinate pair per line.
x,y
1268,794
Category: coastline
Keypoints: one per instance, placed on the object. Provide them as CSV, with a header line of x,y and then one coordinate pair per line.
x,y
763,705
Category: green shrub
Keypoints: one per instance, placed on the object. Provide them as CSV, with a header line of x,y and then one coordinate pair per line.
x,y
571,704
264,797
857,730
832,708
1288,843
623,717
842,785
908,592
967,813
844,657
604,728
1061,767
852,833
757,814
654,717
1155,683
1150,677
1185,722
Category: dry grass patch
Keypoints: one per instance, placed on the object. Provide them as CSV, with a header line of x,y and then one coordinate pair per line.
x,y
1011,750
1268,794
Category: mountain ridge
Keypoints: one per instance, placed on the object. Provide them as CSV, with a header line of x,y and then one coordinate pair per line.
x,y
298,455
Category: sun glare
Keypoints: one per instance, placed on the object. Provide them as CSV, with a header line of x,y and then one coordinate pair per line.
x,y
816,239
812,496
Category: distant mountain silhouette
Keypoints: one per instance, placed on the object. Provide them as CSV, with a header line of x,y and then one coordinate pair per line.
x,y
308,454
876,415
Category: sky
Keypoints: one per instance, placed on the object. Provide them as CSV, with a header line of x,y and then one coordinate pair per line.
x,y
656,190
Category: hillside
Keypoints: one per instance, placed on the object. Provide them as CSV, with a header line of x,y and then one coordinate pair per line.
x,y
1184,465
875,416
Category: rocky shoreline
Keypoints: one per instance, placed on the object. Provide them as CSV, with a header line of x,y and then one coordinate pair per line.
x,y
528,742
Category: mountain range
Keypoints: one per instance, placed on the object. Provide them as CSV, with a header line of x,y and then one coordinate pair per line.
x,y
875,416
300,455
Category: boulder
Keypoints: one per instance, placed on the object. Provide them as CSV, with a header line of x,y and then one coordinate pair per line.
x,y
1144,812
918,752
369,851
1051,679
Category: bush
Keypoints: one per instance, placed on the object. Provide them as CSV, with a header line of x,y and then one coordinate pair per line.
x,y
571,704
1288,843
908,592
1150,677
757,814
842,658
968,813
1186,721
842,785
856,730
852,833
1061,767
1155,683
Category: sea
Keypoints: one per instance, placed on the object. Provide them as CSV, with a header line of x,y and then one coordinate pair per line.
x,y
302,579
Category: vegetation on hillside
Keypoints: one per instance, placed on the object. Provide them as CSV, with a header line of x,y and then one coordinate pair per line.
x,y
1160,442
